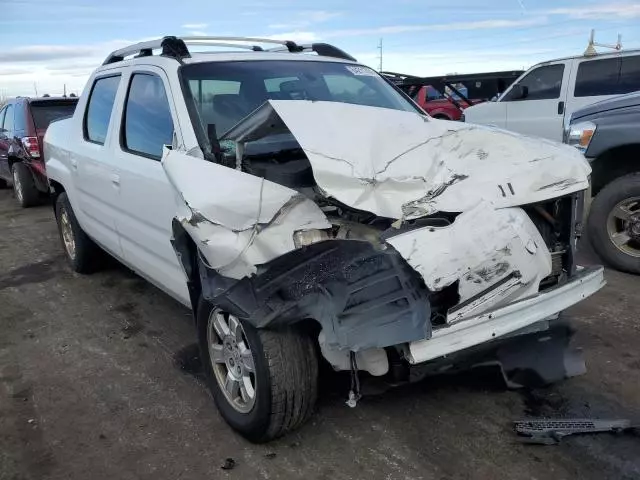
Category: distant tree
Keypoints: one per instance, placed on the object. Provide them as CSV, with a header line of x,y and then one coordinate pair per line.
x,y
46,95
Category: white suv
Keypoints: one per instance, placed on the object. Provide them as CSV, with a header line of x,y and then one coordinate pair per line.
x,y
304,208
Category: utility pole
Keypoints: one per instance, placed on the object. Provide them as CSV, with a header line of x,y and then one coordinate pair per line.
x,y
65,91
380,48
35,87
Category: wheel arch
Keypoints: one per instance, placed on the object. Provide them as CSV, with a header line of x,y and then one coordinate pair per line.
x,y
614,163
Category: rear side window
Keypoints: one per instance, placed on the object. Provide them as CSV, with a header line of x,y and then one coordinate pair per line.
x,y
96,121
44,113
8,119
2,112
19,119
543,83
611,76
147,124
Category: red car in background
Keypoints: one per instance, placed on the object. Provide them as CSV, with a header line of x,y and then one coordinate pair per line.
x,y
440,106
23,123
447,96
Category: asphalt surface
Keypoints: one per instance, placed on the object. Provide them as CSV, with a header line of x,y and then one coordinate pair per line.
x,y
99,379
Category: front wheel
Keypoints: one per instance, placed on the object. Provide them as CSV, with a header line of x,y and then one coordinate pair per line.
x,y
264,382
614,223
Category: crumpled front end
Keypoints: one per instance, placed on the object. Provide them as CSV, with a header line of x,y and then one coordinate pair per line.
x,y
387,228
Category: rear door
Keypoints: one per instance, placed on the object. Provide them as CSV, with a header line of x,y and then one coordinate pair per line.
x,y
541,112
92,164
4,146
147,202
597,79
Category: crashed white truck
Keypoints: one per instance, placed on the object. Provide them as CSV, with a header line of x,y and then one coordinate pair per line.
x,y
305,209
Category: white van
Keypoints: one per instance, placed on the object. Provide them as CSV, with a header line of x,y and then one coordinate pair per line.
x,y
548,93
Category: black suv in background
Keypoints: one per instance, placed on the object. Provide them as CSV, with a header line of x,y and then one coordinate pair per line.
x,y
23,122
608,133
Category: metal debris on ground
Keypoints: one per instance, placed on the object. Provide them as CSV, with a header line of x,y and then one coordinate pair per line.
x,y
228,464
550,431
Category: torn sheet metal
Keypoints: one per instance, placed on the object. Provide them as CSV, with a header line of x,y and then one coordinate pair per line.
x,y
498,256
401,164
253,228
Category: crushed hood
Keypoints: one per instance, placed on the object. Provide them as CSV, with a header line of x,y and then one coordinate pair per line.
x,y
399,164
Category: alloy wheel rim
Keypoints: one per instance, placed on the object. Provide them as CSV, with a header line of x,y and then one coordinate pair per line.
x,y
67,234
623,226
17,186
232,360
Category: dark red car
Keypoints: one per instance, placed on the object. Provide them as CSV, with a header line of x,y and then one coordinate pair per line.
x,y
23,122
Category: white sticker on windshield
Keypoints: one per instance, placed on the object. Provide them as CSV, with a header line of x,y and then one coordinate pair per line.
x,y
361,71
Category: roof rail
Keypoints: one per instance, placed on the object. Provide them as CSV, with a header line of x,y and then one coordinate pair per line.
x,y
322,49
176,47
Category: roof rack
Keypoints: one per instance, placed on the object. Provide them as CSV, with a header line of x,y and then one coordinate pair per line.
x,y
322,49
176,47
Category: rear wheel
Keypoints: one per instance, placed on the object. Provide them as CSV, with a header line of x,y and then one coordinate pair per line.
x,y
24,187
83,254
264,382
614,223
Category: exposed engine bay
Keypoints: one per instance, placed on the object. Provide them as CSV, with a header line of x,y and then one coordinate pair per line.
x,y
382,240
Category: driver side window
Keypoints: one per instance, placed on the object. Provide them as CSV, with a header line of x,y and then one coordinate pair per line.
x,y
543,83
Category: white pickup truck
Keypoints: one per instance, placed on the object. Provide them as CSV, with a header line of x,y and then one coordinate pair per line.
x,y
297,201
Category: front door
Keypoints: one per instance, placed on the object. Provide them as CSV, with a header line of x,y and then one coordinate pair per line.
x,y
147,201
541,111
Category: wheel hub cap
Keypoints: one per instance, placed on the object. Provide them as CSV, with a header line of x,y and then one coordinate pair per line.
x,y
623,226
16,184
67,234
231,360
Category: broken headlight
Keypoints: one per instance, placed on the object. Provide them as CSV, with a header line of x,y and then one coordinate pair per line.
x,y
302,238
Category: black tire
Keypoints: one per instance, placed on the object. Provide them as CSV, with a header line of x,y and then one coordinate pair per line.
x,y
24,187
86,257
439,116
611,195
286,377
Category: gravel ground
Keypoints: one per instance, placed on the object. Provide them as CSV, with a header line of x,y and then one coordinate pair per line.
x,y
99,379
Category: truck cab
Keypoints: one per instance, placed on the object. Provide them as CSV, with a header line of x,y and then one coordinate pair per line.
x,y
543,98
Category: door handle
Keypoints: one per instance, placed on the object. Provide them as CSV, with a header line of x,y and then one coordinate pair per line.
x,y
115,179
560,108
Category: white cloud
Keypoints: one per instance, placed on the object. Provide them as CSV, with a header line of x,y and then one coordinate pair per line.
x,y
195,26
443,27
305,19
52,66
459,61
198,33
296,36
621,11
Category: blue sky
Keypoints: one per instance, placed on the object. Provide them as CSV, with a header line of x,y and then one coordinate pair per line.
x,y
56,42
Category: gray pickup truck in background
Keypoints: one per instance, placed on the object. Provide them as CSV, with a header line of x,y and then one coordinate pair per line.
x,y
608,133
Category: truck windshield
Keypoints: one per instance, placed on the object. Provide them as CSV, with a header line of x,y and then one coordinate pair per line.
x,y
225,92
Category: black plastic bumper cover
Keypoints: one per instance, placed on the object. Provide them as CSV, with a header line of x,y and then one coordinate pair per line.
x,y
361,296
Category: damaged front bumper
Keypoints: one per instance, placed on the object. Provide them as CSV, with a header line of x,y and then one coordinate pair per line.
x,y
507,319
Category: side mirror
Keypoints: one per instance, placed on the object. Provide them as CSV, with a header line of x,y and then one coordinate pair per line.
x,y
518,92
